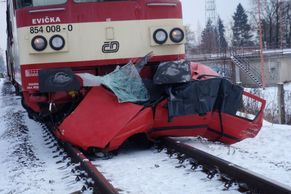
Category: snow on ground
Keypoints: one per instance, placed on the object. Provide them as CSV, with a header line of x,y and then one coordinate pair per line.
x,y
26,163
147,171
270,94
267,154
143,171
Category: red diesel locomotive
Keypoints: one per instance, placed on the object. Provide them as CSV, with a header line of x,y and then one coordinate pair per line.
x,y
80,64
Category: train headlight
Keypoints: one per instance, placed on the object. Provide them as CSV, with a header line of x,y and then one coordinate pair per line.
x,y
177,35
57,42
160,36
39,43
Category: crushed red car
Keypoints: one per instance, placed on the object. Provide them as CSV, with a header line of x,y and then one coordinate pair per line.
x,y
182,99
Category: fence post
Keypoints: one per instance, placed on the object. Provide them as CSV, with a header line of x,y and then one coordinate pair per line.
x,y
281,103
237,74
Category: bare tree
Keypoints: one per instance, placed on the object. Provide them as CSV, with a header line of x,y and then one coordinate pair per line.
x,y
276,22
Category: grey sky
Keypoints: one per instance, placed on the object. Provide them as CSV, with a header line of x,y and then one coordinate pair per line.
x,y
193,13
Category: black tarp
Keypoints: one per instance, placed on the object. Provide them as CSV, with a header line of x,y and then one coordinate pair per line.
x,y
202,96
229,97
173,72
57,79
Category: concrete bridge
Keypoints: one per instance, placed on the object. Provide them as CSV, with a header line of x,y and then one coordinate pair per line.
x,y
243,65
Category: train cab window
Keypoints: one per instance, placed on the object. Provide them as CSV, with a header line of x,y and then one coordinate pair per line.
x,y
35,3
87,1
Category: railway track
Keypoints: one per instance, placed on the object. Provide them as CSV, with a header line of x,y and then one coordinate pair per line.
x,y
230,174
94,181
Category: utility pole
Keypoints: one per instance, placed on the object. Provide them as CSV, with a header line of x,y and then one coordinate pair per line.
x,y
261,45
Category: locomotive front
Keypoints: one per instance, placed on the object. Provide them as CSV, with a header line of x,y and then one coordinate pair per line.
x,y
87,36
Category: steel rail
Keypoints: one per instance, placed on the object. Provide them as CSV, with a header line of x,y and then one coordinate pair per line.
x,y
101,184
255,182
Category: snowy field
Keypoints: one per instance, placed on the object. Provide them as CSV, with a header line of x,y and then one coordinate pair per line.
x,y
270,94
27,164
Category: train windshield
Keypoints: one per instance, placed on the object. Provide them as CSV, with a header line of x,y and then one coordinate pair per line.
x,y
35,3
86,1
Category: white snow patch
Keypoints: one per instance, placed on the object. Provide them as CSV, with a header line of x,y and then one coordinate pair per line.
x,y
267,154
147,172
